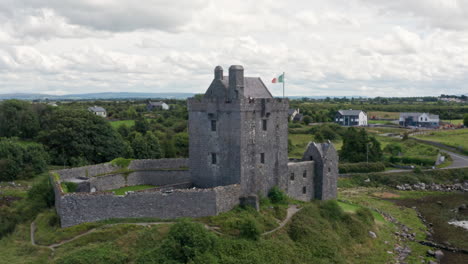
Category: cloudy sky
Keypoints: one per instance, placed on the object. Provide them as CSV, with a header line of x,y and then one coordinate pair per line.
x,y
332,47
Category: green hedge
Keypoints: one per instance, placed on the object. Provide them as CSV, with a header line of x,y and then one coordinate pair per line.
x,y
412,160
361,167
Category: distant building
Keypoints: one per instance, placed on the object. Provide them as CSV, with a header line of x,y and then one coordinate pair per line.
x,y
292,113
157,105
351,118
419,120
97,110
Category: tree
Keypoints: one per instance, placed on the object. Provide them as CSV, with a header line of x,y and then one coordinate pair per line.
x,y
141,125
20,162
146,147
181,142
169,148
18,119
307,119
358,147
465,120
79,137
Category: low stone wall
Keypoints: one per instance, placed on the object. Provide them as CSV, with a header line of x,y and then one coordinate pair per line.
x,y
151,164
76,208
86,171
295,187
150,177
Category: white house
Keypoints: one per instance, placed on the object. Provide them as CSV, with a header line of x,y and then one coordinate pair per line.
x,y
351,118
157,105
419,120
97,110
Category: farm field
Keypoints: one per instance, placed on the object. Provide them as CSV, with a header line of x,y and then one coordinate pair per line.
x,y
116,124
383,115
455,138
455,121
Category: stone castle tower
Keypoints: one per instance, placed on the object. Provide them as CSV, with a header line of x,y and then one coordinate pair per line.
x,y
238,134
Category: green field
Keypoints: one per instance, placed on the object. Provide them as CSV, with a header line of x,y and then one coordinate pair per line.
x,y
457,138
300,141
383,115
121,191
116,124
455,121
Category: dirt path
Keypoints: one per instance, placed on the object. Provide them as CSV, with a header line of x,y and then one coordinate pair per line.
x,y
56,245
292,210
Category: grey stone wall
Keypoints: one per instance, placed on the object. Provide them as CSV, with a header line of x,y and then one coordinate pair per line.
x,y
257,177
76,208
86,171
149,164
238,142
227,197
326,169
297,182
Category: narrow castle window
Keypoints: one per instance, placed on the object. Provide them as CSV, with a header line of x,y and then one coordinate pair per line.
x,y
329,169
311,158
304,174
213,158
262,158
264,124
292,176
304,190
213,125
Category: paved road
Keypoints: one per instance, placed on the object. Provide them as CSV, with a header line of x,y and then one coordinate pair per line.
x,y
459,161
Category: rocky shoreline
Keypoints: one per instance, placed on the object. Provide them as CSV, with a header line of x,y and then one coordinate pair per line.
x,y
455,187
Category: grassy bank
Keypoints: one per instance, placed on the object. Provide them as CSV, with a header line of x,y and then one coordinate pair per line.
x,y
457,138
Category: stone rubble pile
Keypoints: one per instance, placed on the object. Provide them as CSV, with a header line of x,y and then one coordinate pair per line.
x,y
462,187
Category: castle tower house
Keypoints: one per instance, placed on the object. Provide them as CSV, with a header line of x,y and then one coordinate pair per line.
x,y
238,134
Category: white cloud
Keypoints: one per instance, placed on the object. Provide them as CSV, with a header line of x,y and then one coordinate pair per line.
x,y
335,47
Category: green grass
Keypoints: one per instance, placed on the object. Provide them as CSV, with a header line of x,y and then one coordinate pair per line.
x,y
352,208
455,138
300,141
121,191
382,114
455,121
116,124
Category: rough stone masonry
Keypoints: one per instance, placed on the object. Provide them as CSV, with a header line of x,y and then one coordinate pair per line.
x,y
238,149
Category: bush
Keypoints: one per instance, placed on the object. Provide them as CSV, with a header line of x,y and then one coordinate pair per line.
x,y
186,241
249,229
121,162
362,167
331,210
277,196
412,160
94,253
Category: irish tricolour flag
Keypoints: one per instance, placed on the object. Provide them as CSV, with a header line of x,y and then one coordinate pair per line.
x,y
279,79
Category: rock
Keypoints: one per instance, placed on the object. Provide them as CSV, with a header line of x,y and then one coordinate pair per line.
x,y
372,234
439,254
439,202
430,253
432,262
367,180
462,207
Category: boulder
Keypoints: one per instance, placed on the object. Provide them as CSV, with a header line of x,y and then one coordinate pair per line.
x,y
372,234
439,254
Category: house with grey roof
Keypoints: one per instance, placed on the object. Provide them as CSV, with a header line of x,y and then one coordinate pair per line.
x,y
351,118
419,120
292,113
157,105
97,110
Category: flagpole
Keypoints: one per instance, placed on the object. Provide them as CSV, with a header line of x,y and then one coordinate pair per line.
x,y
283,84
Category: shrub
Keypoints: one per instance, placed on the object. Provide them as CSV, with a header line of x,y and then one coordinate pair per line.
x,y
277,196
365,215
69,187
412,160
249,229
186,241
94,253
121,162
361,167
331,210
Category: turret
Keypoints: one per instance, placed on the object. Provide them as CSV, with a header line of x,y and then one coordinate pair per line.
x,y
236,81
218,73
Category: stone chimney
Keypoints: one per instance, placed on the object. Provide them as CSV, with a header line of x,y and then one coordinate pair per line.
x,y
218,73
236,81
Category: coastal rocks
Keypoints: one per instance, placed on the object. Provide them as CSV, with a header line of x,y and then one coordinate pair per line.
x,y
456,187
372,234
